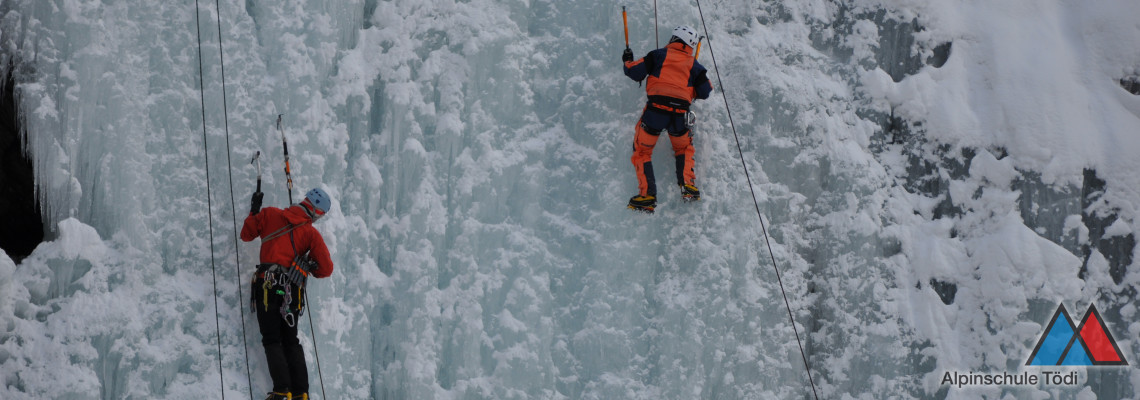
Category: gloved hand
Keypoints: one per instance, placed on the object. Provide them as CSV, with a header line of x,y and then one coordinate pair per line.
x,y
306,263
627,55
310,265
255,203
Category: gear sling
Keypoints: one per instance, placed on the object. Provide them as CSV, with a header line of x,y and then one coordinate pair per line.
x,y
283,280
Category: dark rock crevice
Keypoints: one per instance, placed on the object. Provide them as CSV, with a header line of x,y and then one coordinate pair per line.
x,y
23,227
1097,215
1131,83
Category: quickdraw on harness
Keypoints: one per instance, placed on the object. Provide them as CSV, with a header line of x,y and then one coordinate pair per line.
x,y
273,279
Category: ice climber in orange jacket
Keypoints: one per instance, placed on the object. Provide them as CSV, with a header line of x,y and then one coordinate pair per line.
x,y
675,79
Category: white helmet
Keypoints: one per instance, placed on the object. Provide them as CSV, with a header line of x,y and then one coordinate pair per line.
x,y
686,34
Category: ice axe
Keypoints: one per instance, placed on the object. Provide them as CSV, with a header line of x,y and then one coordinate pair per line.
x,y
257,159
288,171
698,53
625,24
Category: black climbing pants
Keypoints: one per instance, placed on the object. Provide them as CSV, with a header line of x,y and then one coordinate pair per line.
x,y
283,350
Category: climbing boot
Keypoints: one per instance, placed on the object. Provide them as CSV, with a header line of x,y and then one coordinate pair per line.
x,y
279,396
644,204
300,396
690,193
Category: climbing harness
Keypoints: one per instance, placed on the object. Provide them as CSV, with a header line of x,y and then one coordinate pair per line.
x,y
669,104
276,279
756,203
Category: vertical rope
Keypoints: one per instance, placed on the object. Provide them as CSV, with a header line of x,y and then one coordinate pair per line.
x,y
209,196
656,34
233,206
756,203
316,355
289,179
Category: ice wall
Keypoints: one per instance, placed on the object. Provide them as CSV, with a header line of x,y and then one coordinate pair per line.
x,y
928,200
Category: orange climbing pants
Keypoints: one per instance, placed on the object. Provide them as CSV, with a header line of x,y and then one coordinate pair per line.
x,y
653,121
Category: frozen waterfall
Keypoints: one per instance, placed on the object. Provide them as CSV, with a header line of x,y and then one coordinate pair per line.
x,y
936,176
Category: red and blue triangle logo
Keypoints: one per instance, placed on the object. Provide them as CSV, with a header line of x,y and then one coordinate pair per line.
x,y
1089,343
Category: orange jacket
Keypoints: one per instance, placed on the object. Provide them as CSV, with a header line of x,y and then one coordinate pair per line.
x,y
672,73
280,250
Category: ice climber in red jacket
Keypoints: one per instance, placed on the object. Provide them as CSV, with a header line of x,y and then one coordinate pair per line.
x,y
291,251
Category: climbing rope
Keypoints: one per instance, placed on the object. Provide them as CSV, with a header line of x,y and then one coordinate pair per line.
x,y
233,201
316,355
656,34
289,187
756,203
209,201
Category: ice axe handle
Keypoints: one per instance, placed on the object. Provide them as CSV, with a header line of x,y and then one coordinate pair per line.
x,y
288,172
625,24
257,159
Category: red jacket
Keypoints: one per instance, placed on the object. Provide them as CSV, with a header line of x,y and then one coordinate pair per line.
x,y
279,250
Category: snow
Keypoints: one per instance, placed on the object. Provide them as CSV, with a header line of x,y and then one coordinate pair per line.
x,y
478,156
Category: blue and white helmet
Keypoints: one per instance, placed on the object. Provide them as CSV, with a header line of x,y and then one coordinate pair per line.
x,y
316,203
686,35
